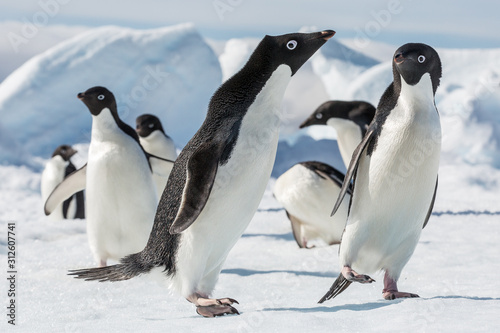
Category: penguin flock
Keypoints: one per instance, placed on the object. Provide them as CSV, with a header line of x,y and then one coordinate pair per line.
x,y
177,217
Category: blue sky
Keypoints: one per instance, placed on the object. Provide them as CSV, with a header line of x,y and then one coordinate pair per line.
x,y
459,24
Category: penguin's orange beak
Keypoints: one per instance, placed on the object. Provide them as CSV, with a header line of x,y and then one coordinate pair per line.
x,y
81,96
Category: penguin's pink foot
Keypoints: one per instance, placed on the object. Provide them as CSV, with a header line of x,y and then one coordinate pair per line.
x,y
390,295
351,275
391,292
210,307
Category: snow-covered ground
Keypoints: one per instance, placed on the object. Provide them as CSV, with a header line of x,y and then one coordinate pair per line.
x,y
454,270
454,267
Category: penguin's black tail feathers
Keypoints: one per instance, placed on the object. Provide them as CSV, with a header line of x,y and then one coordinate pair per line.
x,y
130,266
337,287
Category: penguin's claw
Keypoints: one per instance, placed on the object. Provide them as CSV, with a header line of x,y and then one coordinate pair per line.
x,y
390,295
227,301
352,276
211,311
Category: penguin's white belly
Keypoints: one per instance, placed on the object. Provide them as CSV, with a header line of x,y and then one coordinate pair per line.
x,y
237,191
308,197
392,195
53,175
159,145
121,200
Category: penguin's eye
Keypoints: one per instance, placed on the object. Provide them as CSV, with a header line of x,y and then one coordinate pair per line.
x,y
292,44
319,115
100,97
63,150
151,125
421,58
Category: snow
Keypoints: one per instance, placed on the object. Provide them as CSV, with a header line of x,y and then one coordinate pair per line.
x,y
149,71
278,285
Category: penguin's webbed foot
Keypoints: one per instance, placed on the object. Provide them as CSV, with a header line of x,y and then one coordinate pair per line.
x,y
211,307
351,275
390,295
211,311
391,292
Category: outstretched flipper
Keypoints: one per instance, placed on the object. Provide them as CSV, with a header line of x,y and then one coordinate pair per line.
x,y
201,171
72,184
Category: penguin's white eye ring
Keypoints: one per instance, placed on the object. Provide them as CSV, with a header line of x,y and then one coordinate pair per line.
x,y
292,44
151,125
421,58
100,97
319,115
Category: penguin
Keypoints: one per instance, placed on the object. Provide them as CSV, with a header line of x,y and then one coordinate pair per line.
x,y
305,189
350,119
121,195
55,171
154,140
219,178
395,175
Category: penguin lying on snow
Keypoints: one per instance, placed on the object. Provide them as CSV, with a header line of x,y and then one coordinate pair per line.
x,y
121,195
394,171
306,189
154,141
56,170
219,178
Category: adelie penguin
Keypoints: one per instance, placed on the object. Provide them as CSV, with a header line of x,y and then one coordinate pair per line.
x,y
121,195
154,141
394,171
56,170
305,190
219,177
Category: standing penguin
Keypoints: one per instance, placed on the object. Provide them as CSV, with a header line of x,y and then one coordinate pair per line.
x,y
56,170
349,119
121,195
305,189
219,177
154,141
394,171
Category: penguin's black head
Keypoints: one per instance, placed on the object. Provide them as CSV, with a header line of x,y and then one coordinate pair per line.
x,y
359,112
413,60
65,152
97,99
290,49
146,124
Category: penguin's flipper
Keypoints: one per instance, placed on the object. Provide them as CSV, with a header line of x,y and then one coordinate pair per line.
x,y
160,166
353,165
296,230
429,212
201,171
75,182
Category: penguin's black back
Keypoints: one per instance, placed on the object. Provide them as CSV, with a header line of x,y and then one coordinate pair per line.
x,y
226,110
221,128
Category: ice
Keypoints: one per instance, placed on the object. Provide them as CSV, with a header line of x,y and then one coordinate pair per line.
x,y
278,285
170,72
